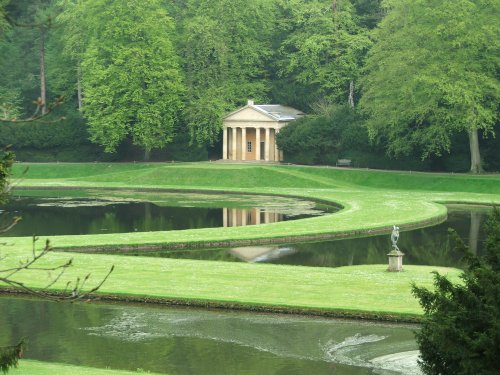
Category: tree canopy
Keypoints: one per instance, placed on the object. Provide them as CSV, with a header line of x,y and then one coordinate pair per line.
x,y
225,45
432,73
322,47
145,74
324,138
131,76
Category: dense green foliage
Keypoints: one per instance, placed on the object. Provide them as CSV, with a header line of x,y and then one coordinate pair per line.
x,y
131,77
322,47
433,73
280,51
461,330
225,45
324,139
141,78
9,356
339,133
6,161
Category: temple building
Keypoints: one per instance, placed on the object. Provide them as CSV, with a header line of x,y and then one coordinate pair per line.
x,y
249,133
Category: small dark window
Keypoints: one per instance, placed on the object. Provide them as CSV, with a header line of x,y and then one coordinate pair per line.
x,y
249,146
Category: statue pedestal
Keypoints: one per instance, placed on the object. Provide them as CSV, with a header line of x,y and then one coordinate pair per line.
x,y
395,261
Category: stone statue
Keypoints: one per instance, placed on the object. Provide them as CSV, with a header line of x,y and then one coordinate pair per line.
x,y
395,256
395,237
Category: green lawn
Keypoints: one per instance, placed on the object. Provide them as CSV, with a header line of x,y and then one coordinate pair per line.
x,y
29,367
366,207
364,289
372,201
251,176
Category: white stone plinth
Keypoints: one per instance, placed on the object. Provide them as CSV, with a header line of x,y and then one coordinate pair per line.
x,y
395,261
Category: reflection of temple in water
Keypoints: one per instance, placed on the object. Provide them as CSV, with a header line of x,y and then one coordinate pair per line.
x,y
253,254
237,217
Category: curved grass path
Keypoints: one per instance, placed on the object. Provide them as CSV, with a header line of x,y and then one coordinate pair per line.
x,y
372,200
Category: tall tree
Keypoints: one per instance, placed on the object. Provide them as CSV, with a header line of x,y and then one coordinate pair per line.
x,y
225,45
71,38
322,48
433,73
35,15
131,75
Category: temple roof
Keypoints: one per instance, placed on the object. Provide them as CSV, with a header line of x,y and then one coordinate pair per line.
x,y
279,112
276,112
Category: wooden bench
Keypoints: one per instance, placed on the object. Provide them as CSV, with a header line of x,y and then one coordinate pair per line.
x,y
343,163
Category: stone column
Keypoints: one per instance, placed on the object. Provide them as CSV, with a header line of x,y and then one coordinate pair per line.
x,y
234,217
243,143
224,143
224,216
257,216
235,136
257,143
266,145
276,151
243,217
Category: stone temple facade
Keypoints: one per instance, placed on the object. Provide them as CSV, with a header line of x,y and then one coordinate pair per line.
x,y
250,132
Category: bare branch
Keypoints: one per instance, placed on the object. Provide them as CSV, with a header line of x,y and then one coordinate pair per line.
x,y
9,226
38,113
76,293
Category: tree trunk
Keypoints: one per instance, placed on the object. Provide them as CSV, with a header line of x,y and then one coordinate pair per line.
x,y
147,154
350,100
475,157
350,261
43,84
79,86
475,224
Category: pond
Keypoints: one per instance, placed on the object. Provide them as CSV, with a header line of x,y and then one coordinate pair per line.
x,y
426,246
187,341
58,212
87,212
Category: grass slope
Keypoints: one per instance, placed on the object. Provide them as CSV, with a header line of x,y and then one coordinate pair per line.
x,y
30,367
255,175
363,289
372,200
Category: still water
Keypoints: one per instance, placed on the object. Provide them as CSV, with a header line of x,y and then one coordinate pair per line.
x,y
60,214
187,341
426,246
84,212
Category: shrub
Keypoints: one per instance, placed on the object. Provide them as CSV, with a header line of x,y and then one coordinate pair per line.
x,y
461,329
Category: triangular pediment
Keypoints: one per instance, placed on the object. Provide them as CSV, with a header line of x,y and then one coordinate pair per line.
x,y
249,113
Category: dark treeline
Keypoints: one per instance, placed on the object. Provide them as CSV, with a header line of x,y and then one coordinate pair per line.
x,y
385,85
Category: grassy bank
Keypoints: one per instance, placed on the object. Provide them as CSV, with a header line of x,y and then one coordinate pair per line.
x,y
252,175
367,208
373,201
349,291
29,367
